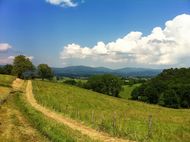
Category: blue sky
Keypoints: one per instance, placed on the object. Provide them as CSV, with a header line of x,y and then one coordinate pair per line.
x,y
43,29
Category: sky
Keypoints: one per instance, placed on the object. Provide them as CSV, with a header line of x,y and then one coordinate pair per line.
x,y
109,33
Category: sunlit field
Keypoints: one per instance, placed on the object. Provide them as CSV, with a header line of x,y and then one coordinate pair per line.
x,y
119,117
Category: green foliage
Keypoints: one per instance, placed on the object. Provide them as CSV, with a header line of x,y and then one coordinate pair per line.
x,y
118,117
106,84
70,82
171,89
22,64
45,71
7,69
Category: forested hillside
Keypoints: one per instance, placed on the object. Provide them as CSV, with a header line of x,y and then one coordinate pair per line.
x,y
171,88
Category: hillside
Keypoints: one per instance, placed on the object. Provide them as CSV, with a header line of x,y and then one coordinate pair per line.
x,y
171,88
85,71
118,117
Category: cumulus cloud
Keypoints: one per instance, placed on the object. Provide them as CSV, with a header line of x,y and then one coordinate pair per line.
x,y
167,46
29,57
4,47
63,3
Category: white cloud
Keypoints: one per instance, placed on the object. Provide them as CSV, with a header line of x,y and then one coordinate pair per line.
x,y
4,47
63,3
9,59
168,46
29,57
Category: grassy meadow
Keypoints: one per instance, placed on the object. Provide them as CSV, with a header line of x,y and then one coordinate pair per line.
x,y
119,117
19,122
6,80
5,85
127,89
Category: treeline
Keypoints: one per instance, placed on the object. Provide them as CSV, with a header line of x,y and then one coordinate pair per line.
x,y
23,68
171,88
107,84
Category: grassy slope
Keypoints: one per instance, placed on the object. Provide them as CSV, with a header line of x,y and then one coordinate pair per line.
x,y
52,130
13,125
126,92
119,117
20,122
6,80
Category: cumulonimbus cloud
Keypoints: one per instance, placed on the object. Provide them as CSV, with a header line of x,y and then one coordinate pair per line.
x,y
167,46
63,3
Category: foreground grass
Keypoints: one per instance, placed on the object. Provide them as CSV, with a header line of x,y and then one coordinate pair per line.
x,y
119,117
127,89
4,92
52,130
13,125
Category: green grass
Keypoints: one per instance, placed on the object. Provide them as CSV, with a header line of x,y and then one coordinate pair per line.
x,y
54,131
119,117
13,125
5,85
126,92
6,80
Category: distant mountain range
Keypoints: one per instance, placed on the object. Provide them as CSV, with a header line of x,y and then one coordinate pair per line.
x,y
85,71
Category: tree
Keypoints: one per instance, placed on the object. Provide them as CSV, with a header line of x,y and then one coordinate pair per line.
x,y
44,71
22,64
169,99
107,84
7,69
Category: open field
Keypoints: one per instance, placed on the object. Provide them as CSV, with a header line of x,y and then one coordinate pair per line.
x,y
126,92
20,122
119,117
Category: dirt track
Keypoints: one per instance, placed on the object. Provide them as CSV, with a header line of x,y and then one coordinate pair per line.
x,y
69,122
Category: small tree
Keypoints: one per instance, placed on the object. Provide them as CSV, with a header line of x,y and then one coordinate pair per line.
x,y
44,71
22,64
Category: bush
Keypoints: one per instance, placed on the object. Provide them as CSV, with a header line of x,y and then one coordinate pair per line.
x,y
70,82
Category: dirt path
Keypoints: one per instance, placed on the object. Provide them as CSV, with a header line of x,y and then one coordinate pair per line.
x,y
69,122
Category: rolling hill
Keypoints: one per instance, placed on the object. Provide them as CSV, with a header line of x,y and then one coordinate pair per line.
x,y
85,71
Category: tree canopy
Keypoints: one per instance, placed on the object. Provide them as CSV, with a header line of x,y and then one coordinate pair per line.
x,y
171,88
21,65
107,84
44,71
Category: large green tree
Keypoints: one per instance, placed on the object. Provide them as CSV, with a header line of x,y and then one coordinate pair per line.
x,y
107,84
44,71
22,64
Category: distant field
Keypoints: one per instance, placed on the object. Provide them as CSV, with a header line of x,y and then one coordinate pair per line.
x,y
126,92
119,117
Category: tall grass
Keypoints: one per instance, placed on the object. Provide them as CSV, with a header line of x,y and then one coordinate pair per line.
x,y
6,80
54,131
119,117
